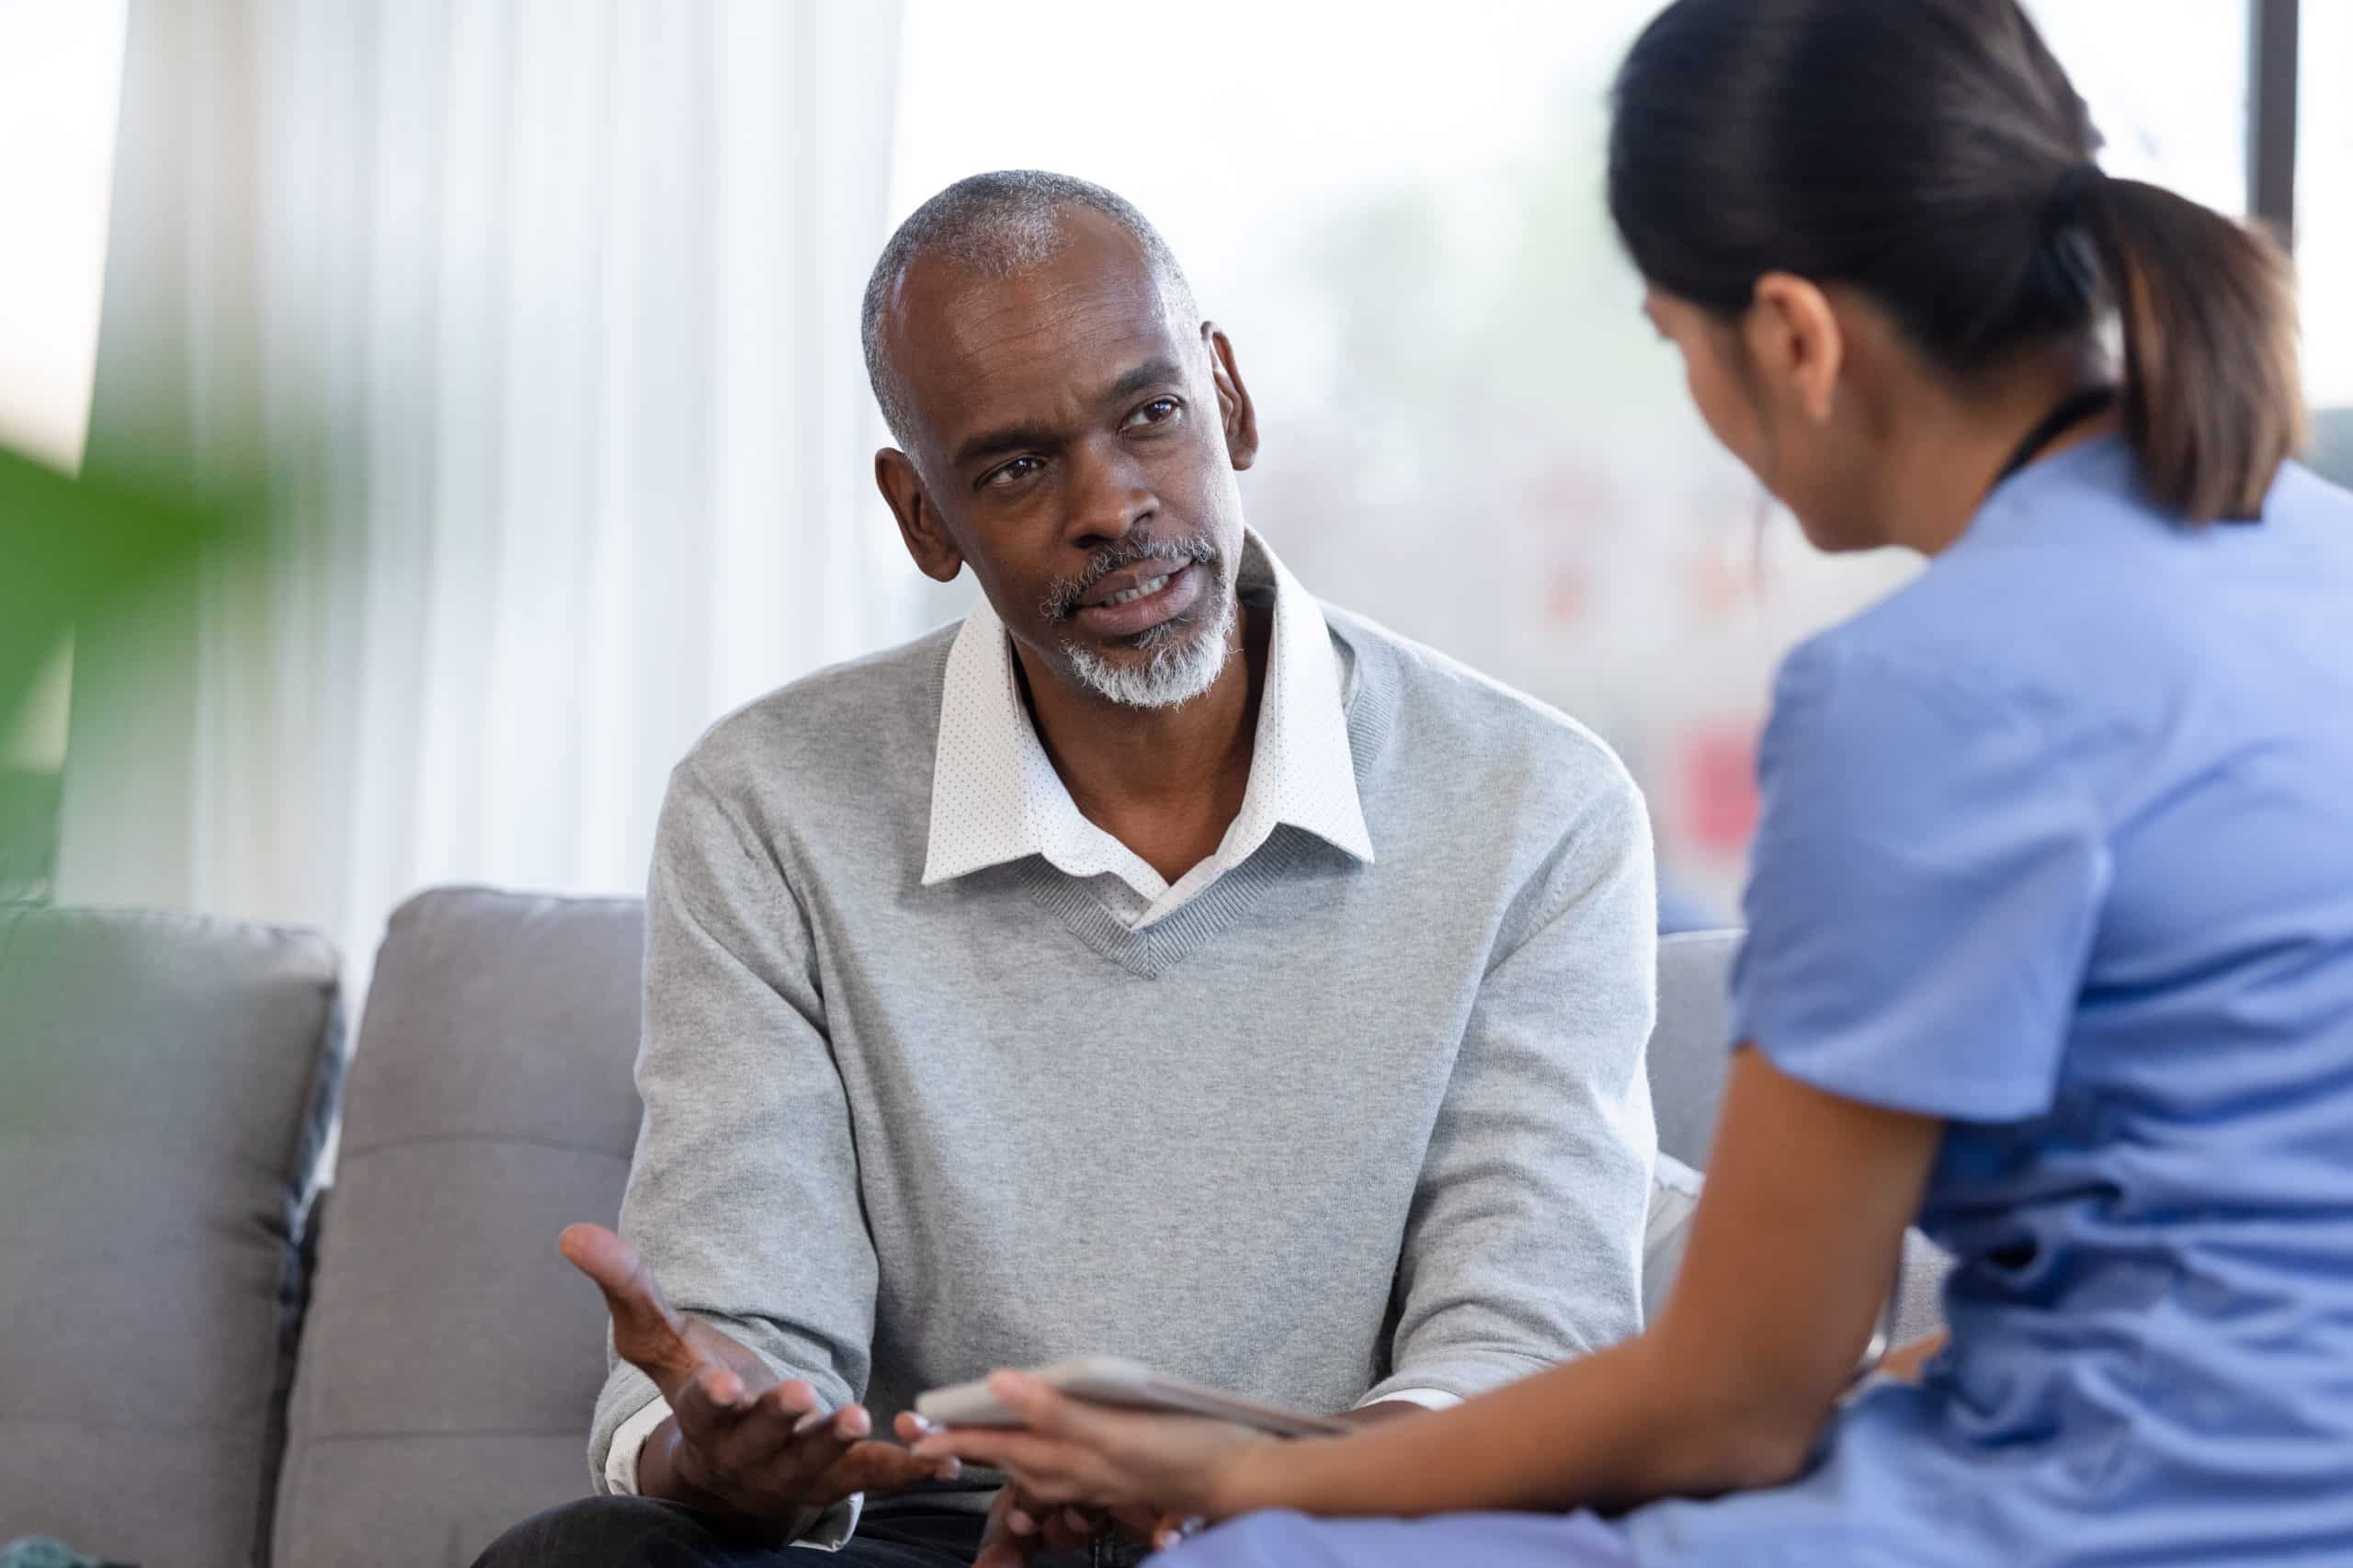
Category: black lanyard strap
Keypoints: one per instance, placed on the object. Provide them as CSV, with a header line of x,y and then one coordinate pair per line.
x,y
2061,419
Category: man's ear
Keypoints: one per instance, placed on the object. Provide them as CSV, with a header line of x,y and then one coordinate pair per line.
x,y
921,527
1796,346
1235,411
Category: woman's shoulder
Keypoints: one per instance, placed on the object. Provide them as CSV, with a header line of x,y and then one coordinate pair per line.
x,y
2077,614
1926,680
1921,643
2071,586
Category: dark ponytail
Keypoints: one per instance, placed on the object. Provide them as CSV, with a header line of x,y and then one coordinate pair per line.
x,y
2213,393
1932,154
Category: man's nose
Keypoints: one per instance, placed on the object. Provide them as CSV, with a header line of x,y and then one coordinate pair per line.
x,y
1108,495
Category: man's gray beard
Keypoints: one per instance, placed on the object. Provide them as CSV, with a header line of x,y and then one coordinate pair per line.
x,y
1171,675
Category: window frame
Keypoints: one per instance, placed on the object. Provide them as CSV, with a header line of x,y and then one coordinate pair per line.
x,y
2272,109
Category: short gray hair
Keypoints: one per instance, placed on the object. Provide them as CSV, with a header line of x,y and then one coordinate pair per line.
x,y
997,224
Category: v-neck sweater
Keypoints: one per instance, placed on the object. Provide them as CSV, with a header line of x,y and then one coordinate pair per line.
x,y
1331,1128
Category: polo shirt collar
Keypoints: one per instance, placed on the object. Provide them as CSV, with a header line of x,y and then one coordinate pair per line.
x,y
996,798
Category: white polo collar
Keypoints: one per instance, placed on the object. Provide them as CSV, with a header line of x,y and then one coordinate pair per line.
x,y
995,796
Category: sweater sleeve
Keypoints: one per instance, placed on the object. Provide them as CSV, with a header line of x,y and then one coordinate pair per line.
x,y
1525,1242
743,1194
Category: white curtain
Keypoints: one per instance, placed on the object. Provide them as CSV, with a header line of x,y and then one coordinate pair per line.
x,y
539,321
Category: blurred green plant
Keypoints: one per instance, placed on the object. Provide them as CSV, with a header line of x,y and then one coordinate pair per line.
x,y
72,549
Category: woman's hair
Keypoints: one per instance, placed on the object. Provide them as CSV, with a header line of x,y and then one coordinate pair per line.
x,y
1932,154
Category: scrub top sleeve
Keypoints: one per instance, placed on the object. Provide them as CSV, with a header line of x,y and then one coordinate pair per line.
x,y
1925,884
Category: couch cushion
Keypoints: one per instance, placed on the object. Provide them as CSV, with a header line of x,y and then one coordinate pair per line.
x,y
166,1086
452,1359
1688,1051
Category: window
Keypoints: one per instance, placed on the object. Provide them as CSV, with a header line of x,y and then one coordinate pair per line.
x,y
2167,86
2325,223
1469,434
61,66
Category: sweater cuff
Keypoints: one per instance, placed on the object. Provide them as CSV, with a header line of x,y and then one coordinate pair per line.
x,y
1428,1399
1460,1374
629,1441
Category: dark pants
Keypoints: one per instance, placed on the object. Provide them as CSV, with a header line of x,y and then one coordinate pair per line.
x,y
642,1533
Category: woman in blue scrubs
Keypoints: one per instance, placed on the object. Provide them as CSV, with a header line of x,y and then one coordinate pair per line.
x,y
2051,927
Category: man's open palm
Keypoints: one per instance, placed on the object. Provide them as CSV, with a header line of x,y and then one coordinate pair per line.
x,y
745,1443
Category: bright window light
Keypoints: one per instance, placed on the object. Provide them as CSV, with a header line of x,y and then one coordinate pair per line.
x,y
2325,199
61,77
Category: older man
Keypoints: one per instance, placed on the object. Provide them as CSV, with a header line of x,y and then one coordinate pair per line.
x,y
1159,963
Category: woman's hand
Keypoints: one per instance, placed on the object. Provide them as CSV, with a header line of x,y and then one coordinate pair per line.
x,y
1069,1453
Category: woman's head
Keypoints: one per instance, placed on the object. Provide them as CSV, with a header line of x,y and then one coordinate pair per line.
x,y
1835,200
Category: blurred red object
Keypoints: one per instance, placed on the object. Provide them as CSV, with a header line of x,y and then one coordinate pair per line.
x,y
1720,787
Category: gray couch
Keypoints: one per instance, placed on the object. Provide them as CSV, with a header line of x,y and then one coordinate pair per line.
x,y
201,1368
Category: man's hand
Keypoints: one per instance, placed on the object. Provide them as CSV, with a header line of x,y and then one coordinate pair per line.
x,y
1019,1527
738,1442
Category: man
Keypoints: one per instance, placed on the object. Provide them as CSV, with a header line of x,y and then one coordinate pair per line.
x,y
1157,963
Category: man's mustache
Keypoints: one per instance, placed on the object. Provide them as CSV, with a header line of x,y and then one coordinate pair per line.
x,y
1061,596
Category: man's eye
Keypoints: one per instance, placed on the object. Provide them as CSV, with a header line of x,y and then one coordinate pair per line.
x,y
1011,473
1158,411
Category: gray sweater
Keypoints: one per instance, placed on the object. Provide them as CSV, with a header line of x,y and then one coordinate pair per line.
x,y
1329,1131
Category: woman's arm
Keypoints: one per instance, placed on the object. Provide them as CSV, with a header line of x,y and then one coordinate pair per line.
x,y
1797,1237
1795,1244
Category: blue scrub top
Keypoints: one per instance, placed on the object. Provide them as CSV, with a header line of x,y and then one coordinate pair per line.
x,y
2058,846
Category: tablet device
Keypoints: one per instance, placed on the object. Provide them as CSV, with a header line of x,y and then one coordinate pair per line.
x,y
1127,1385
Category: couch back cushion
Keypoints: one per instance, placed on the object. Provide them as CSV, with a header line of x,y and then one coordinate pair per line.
x,y
452,1359
1689,1052
166,1086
